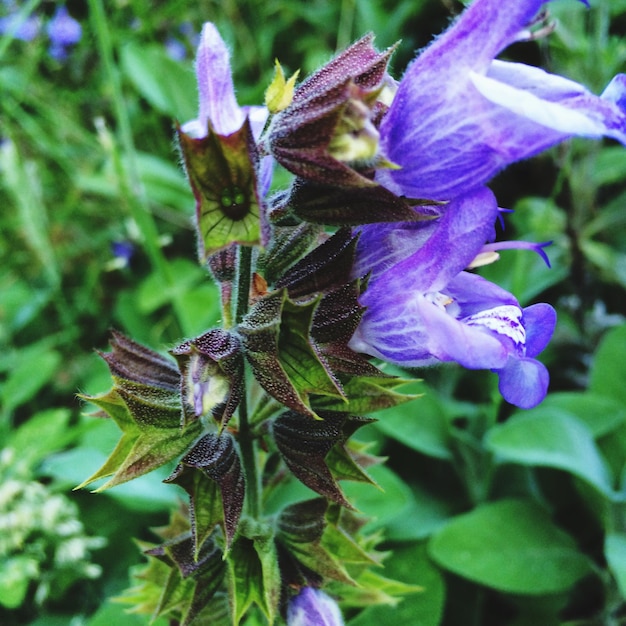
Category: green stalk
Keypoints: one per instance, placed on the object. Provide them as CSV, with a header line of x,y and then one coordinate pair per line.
x,y
246,442
128,172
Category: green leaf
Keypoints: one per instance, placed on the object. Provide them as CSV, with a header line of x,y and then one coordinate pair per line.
x,y
145,403
550,438
142,447
606,376
287,246
421,426
600,413
300,529
306,371
31,371
44,433
615,553
165,83
279,93
511,546
390,501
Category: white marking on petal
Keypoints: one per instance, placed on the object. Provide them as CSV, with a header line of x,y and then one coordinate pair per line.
x,y
505,320
440,300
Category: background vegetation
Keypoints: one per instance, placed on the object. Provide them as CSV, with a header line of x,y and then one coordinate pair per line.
x,y
502,517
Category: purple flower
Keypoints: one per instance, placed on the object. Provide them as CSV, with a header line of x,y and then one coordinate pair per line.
x,y
459,116
64,31
217,100
312,607
422,307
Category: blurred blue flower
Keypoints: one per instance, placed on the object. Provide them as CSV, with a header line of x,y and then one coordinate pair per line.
x,y
312,607
422,307
25,28
175,49
63,31
123,252
459,116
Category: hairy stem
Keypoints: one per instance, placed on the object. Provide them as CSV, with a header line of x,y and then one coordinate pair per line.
x,y
246,443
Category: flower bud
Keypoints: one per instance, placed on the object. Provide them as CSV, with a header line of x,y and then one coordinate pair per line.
x,y
312,607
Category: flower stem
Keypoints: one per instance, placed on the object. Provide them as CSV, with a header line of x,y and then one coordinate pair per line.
x,y
246,442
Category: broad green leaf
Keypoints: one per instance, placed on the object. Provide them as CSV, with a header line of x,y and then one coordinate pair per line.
x,y
44,433
607,376
430,510
511,546
165,83
600,413
422,426
383,504
610,261
34,368
615,554
550,438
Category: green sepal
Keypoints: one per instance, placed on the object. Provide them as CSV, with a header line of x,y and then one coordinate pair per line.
x,y
339,206
222,171
151,437
279,93
276,341
367,394
254,577
288,245
192,581
304,444
347,462
325,268
205,502
300,528
176,582
371,589
217,457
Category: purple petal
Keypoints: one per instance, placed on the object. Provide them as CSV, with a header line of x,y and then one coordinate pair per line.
x,y
540,322
458,117
414,329
523,382
218,103
474,294
425,256
312,607
552,110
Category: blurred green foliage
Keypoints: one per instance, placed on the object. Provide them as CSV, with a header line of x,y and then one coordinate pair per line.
x,y
503,518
